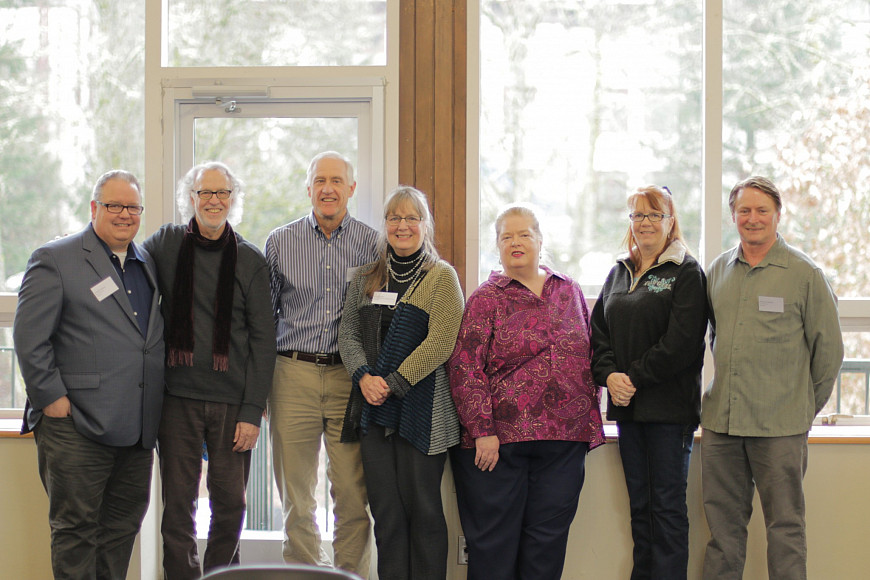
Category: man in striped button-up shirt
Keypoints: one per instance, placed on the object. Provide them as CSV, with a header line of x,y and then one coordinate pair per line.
x,y
311,261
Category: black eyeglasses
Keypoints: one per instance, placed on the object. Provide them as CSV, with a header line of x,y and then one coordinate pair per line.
x,y
205,194
119,207
653,217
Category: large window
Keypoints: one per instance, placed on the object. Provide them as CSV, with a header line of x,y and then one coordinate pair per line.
x,y
71,107
796,78
582,102
212,33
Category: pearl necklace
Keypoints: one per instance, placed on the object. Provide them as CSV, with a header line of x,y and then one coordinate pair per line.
x,y
410,274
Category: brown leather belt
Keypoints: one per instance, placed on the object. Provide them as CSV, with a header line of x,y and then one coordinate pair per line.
x,y
320,359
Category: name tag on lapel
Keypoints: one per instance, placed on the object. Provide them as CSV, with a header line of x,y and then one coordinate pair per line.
x,y
105,288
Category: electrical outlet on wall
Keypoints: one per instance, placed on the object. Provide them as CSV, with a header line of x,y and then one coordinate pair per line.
x,y
462,552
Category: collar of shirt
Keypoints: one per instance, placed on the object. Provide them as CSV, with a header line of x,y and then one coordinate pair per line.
x,y
675,252
133,251
312,221
501,279
777,255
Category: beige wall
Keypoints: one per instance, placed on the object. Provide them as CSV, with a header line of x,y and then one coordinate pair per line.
x,y
24,534
837,488
838,511
24,537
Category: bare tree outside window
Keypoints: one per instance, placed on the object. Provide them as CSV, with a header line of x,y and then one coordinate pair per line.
x,y
581,102
288,33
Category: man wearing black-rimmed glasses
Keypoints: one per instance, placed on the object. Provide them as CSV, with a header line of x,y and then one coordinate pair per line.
x,y
220,355
89,339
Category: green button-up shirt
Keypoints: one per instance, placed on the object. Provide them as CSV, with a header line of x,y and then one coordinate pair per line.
x,y
777,346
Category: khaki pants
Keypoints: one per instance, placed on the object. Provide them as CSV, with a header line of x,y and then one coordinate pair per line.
x,y
307,405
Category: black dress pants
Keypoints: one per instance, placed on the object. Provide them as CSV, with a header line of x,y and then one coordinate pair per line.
x,y
404,488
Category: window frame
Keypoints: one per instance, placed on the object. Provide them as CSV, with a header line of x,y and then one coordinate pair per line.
x,y
362,98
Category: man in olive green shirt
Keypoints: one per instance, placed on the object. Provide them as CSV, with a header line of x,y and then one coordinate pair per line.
x,y
777,349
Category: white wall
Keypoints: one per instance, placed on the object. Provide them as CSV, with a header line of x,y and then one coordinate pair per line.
x,y
838,513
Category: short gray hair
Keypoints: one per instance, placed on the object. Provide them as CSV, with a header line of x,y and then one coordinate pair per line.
x,y
185,186
126,176
309,176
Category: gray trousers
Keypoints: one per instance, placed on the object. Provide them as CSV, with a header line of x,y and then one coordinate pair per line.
x,y
97,497
731,468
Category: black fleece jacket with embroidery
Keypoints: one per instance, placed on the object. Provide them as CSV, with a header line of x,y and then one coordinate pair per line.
x,y
652,329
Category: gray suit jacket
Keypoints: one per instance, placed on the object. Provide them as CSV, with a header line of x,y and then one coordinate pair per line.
x,y
71,343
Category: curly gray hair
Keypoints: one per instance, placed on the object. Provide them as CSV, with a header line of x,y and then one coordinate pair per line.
x,y
186,187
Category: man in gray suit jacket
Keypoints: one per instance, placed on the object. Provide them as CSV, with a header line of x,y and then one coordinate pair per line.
x,y
89,339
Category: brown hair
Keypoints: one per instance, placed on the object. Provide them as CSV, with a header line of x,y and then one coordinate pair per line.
x,y
762,184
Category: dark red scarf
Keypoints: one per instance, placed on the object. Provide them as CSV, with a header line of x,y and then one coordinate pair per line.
x,y
180,341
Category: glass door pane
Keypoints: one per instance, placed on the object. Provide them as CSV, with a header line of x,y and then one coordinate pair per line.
x,y
273,162
271,155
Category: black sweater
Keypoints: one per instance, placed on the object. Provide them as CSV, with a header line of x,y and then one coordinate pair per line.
x,y
652,329
252,330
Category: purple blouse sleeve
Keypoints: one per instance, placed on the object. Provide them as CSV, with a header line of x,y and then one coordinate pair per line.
x,y
468,379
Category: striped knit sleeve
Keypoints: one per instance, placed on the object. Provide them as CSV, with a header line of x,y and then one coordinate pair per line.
x,y
442,299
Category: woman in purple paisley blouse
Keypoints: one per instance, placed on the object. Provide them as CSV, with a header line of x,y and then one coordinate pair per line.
x,y
529,408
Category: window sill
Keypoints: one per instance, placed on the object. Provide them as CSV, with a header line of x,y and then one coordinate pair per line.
x,y
819,434
12,428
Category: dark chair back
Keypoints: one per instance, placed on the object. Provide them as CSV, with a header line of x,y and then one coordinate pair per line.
x,y
279,572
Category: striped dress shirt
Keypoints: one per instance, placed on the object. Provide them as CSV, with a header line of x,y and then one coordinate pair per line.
x,y
309,275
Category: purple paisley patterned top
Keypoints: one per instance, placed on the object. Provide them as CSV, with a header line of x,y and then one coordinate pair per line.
x,y
521,366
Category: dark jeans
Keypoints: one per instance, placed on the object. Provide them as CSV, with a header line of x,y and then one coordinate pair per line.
x,y
404,488
655,459
97,497
184,426
516,517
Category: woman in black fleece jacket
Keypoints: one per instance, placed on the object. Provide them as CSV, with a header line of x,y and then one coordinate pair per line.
x,y
648,329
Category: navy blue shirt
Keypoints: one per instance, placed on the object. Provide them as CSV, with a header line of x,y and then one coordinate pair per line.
x,y
136,285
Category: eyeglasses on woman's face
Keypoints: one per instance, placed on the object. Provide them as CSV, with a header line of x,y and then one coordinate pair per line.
x,y
654,217
411,220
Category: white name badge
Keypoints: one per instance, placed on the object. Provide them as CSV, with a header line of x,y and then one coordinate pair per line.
x,y
385,298
104,288
771,304
351,272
